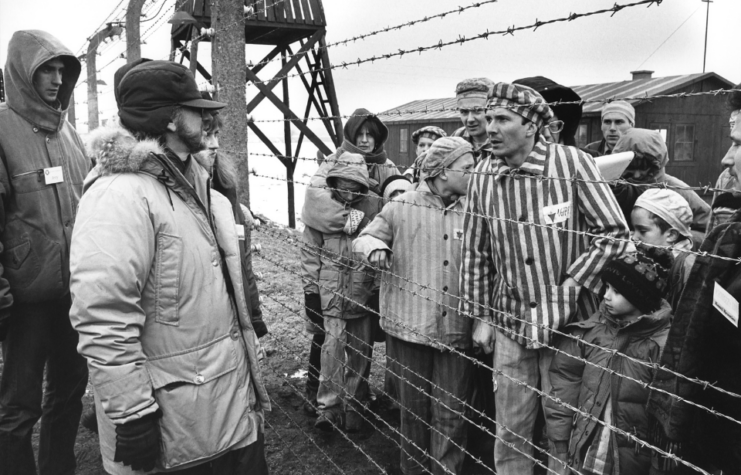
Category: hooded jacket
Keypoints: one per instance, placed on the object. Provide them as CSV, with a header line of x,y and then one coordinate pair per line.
x,y
158,300
551,91
588,387
323,213
328,266
650,145
37,220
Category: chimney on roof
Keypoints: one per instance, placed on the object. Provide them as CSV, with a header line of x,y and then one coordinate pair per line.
x,y
642,74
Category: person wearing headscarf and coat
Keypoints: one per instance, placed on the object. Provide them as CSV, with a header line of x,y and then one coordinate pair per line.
x,y
649,168
42,168
343,289
364,134
423,139
417,237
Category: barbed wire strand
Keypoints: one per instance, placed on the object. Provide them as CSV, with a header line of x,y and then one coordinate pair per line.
x,y
514,380
585,234
655,367
462,39
438,401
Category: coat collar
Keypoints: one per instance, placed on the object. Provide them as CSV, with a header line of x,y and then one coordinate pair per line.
x,y
534,164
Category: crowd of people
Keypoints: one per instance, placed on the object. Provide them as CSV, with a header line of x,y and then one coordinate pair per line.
x,y
515,289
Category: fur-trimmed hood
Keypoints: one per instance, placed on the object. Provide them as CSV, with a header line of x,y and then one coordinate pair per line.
x,y
114,150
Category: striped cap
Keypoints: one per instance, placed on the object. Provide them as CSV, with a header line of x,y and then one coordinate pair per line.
x,y
430,131
521,100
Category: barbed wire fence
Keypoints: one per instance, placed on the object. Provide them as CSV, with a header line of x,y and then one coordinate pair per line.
x,y
395,437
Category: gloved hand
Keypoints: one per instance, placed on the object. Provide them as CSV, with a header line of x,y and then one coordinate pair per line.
x,y
138,442
353,221
4,324
313,306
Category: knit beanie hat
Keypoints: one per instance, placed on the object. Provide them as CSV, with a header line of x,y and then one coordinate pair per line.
x,y
641,276
521,100
669,206
395,183
430,132
442,153
621,107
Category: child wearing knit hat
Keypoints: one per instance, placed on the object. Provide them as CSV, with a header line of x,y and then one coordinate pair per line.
x,y
601,366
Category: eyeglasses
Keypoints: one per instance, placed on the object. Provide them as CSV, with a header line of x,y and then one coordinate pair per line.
x,y
555,126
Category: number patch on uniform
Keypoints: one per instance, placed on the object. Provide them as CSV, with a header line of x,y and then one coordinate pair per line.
x,y
240,231
725,304
559,213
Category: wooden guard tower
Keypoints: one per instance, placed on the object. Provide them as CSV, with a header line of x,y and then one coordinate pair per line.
x,y
296,29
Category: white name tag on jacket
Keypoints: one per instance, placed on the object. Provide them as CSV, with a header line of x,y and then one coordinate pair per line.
x,y
558,213
53,175
240,231
725,304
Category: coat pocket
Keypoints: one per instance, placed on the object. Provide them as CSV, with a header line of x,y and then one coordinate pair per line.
x,y
168,258
32,264
204,399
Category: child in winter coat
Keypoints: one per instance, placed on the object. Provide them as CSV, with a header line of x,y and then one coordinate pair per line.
x,y
663,218
338,290
596,370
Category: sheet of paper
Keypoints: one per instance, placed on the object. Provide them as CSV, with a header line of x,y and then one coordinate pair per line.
x,y
725,304
557,213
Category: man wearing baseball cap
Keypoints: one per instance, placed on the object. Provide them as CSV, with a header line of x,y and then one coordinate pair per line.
x,y
617,118
528,266
157,292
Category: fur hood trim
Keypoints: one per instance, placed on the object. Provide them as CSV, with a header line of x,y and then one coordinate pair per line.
x,y
115,151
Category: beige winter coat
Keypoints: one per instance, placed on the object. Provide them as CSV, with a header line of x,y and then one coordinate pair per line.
x,y
161,323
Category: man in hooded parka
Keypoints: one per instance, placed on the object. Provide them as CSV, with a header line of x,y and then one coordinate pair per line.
x,y
41,175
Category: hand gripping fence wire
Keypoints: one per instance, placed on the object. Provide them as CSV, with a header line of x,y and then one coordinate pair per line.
x,y
432,384
653,366
530,223
542,394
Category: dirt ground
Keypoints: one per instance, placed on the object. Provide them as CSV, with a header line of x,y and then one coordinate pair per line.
x,y
293,446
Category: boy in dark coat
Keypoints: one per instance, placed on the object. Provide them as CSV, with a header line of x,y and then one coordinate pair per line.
x,y
595,370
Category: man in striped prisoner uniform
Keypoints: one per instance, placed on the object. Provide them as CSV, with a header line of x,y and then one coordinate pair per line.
x,y
528,266
423,231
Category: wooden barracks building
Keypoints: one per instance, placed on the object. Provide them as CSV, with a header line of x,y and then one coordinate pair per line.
x,y
695,128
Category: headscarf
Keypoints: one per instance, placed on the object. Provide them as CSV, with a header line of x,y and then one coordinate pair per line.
x,y
443,152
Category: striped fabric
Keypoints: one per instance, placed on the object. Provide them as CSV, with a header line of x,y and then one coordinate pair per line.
x,y
517,267
426,238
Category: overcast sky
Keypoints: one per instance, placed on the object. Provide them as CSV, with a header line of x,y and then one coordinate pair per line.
x,y
584,51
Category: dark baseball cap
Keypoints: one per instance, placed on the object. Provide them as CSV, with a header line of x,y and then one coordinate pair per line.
x,y
162,83
148,93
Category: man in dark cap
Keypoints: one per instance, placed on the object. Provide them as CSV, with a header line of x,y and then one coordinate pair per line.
x,y
158,293
43,167
528,267
565,123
